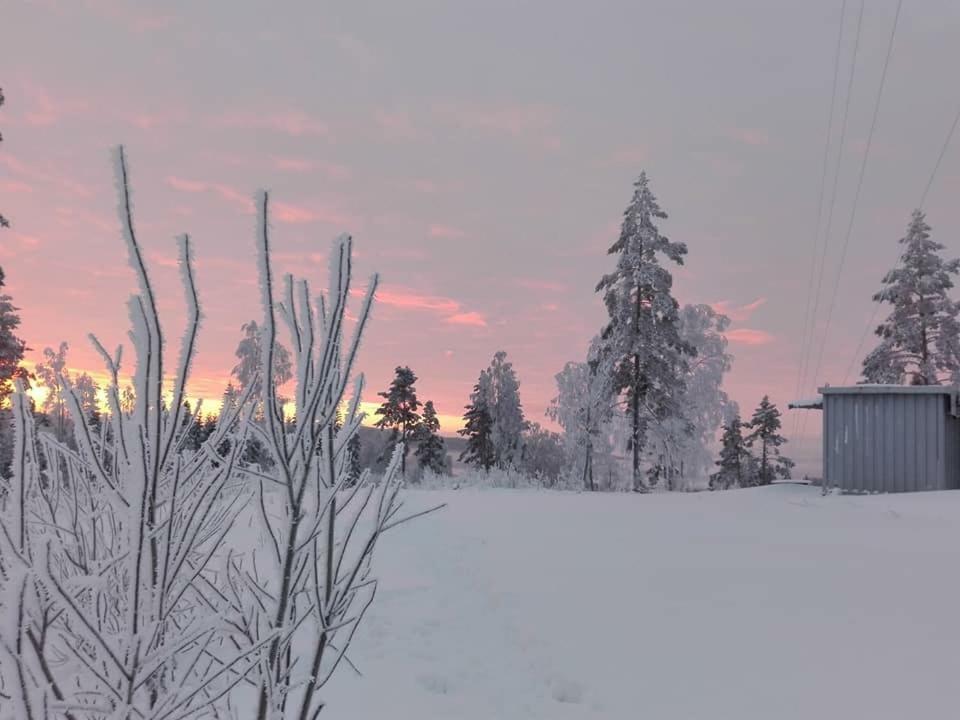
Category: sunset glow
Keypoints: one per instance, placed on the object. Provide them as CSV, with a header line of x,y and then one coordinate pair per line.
x,y
486,207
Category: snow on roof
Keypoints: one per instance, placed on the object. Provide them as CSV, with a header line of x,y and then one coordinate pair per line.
x,y
812,404
875,389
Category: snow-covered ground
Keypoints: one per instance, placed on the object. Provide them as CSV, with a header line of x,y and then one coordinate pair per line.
x,y
770,603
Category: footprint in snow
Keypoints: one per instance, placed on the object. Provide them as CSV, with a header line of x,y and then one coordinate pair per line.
x,y
436,684
566,691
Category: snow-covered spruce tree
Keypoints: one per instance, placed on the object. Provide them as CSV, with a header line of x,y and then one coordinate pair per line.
x,y
112,605
920,339
583,407
399,413
478,426
648,356
307,588
12,348
734,467
431,452
765,440
506,412
354,452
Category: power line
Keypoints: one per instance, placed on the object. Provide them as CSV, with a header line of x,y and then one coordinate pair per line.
x,y
816,236
833,201
856,197
923,200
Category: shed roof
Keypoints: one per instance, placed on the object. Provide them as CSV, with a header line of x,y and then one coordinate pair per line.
x,y
890,390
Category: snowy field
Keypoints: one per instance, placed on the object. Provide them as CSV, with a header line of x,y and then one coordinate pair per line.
x,y
767,603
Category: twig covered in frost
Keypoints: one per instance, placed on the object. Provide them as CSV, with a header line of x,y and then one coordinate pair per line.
x,y
107,548
120,596
321,534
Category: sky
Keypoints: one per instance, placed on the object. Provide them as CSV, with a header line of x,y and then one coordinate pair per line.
x,y
481,155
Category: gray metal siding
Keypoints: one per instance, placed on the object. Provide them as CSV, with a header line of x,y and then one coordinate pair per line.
x,y
897,442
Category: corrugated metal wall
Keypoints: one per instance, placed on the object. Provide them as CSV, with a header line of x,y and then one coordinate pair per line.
x,y
898,442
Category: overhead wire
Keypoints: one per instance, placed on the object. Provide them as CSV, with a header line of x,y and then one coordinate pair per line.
x,y
856,197
923,200
805,338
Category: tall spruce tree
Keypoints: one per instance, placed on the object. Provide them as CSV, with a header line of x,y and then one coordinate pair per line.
x,y
354,467
431,452
734,463
12,348
920,339
399,411
649,358
765,435
478,426
506,411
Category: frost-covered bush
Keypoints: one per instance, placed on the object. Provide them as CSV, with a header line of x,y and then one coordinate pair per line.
x,y
125,587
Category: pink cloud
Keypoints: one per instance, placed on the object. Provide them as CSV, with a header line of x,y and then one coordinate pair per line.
x,y
292,164
396,125
150,121
749,336
296,215
631,155
302,165
751,136
451,310
414,301
736,313
71,217
294,123
424,186
468,318
44,109
137,20
31,173
550,307
13,186
26,240
228,193
446,232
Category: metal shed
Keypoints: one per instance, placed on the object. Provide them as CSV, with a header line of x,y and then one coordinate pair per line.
x,y
891,438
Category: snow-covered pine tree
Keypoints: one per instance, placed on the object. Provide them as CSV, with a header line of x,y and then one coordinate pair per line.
x,y
354,468
733,465
431,452
399,413
12,348
649,358
920,339
506,412
765,433
478,426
